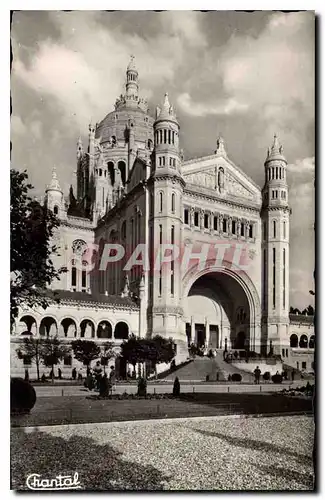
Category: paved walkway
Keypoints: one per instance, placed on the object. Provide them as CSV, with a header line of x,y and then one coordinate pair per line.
x,y
57,391
225,454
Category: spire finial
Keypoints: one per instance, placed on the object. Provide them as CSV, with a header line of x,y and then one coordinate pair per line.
x,y
131,65
166,101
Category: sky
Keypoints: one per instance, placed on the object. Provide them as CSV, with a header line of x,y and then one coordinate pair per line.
x,y
245,76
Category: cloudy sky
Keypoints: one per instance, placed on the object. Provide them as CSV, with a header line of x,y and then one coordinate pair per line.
x,y
243,75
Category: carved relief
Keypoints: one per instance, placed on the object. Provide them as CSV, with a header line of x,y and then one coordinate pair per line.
x,y
237,189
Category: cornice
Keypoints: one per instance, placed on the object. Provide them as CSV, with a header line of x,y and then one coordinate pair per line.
x,y
227,202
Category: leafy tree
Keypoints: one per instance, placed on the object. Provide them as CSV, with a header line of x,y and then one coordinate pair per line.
x,y
156,350
52,352
85,351
31,347
31,230
47,351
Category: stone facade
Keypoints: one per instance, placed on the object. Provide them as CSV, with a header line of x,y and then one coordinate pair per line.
x,y
135,188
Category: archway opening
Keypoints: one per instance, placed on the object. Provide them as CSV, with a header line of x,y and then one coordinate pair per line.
x,y
104,330
312,342
87,329
211,313
28,325
303,342
293,340
69,328
121,330
122,169
48,327
110,169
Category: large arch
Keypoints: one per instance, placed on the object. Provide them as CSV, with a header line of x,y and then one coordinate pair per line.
x,y
234,289
303,342
312,342
48,327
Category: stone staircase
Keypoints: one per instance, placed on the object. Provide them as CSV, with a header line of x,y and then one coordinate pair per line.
x,y
198,369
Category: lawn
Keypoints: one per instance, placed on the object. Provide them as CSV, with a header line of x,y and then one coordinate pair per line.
x,y
84,409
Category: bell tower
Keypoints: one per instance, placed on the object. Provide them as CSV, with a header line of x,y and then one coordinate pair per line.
x,y
275,252
165,225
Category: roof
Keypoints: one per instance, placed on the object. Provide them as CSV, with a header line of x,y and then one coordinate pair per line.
x,y
301,318
95,298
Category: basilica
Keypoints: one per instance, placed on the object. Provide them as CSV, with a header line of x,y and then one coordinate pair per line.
x,y
135,189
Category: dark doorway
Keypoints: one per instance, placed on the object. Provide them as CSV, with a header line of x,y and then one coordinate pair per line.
x,y
240,340
200,335
188,333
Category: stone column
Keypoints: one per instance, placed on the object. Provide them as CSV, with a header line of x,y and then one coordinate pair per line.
x,y
192,330
207,334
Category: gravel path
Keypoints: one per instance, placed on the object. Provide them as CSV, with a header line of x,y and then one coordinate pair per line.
x,y
210,454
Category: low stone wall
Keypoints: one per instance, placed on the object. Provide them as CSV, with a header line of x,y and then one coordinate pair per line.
x,y
263,366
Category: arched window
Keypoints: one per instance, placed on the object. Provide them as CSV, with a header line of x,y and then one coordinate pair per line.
x,y
56,210
165,136
100,172
29,326
160,202
122,168
312,342
274,229
293,340
173,202
303,342
110,168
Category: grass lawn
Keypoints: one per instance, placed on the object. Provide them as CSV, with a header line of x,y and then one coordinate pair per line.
x,y
86,409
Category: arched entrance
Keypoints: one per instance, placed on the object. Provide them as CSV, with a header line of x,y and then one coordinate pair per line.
x,y
222,308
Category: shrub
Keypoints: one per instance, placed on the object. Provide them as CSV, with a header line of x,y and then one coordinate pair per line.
x,y
22,396
236,377
43,378
277,378
142,387
176,387
267,376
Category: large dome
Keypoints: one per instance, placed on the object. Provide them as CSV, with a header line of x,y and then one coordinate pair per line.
x,y
116,123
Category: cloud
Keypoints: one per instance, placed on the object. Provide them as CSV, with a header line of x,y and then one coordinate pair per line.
x,y
84,71
226,107
17,126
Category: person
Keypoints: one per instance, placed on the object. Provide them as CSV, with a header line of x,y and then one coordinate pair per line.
x,y
88,371
257,373
59,373
112,378
80,374
292,375
98,374
74,374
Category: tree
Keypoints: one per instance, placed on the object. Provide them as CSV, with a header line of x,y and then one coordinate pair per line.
x,y
52,352
31,231
48,351
32,349
85,351
107,352
156,350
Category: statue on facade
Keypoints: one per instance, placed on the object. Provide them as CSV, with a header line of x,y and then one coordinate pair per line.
x,y
221,178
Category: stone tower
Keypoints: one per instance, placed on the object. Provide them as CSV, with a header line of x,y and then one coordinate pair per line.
x,y
275,252
165,225
54,199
